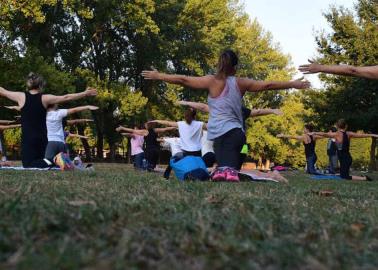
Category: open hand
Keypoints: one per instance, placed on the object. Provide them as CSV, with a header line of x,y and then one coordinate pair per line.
x,y
92,108
278,112
301,84
311,68
91,92
151,74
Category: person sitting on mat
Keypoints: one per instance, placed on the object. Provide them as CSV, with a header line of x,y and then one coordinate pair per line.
x,y
137,152
150,134
33,106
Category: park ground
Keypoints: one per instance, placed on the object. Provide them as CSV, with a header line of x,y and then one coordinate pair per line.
x,y
116,218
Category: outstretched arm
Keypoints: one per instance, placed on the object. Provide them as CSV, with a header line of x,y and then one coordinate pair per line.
x,y
15,108
361,135
140,132
6,122
163,130
72,135
196,105
51,99
78,121
364,72
165,123
298,138
330,135
188,81
250,85
262,112
81,109
9,127
11,95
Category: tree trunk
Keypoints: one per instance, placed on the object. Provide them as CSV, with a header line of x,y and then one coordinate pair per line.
x,y
100,145
112,151
373,162
3,144
87,149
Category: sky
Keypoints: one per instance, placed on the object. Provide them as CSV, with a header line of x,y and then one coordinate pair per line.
x,y
293,24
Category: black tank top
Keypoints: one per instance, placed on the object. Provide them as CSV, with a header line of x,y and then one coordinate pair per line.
x,y
151,139
343,148
310,147
33,118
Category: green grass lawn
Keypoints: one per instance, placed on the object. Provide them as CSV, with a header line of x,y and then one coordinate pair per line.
x,y
117,219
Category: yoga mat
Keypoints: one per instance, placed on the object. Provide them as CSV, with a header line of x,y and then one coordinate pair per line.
x,y
256,178
28,169
326,177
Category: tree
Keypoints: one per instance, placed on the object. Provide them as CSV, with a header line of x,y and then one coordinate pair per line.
x,y
353,41
262,132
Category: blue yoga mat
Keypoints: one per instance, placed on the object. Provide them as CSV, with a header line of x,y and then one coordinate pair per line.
x,y
326,177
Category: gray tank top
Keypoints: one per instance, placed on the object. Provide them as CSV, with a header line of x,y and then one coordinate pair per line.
x,y
225,110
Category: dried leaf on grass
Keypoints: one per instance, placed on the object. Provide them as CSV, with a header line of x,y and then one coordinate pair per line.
x,y
81,203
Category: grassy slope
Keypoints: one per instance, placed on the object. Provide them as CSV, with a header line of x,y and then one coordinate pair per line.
x,y
118,218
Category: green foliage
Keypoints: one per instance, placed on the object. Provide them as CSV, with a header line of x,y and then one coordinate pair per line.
x,y
262,132
353,41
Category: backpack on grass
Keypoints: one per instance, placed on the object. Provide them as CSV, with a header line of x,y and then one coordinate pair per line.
x,y
190,168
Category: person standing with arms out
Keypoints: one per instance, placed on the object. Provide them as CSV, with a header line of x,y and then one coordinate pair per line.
x,y
150,134
343,138
33,106
309,142
225,126
344,70
137,153
190,132
332,152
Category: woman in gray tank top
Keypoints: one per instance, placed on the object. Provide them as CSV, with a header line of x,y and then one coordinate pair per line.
x,y
226,91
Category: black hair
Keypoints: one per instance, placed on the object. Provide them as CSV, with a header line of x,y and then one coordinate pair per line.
x,y
309,127
190,115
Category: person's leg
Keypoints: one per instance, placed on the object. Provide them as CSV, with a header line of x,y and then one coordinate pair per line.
x,y
229,148
33,154
219,150
138,161
334,163
311,164
345,167
154,158
209,159
242,160
54,148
